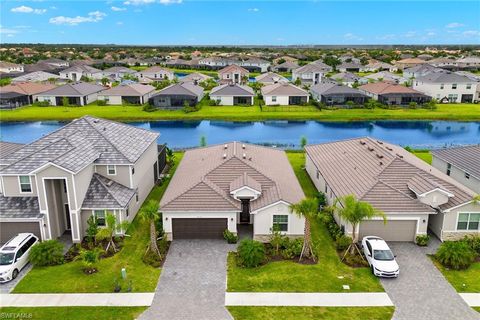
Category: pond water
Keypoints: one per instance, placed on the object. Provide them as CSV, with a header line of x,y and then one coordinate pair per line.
x,y
285,134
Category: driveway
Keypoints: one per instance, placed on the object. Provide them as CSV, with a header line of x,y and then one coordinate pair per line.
x,y
9,286
193,282
421,291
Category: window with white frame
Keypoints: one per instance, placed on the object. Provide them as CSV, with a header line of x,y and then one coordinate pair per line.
x,y
25,184
100,217
468,221
280,221
111,170
274,98
467,175
469,86
454,86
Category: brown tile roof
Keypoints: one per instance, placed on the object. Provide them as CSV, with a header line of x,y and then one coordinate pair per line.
x,y
466,158
245,181
386,88
28,88
233,68
411,60
205,176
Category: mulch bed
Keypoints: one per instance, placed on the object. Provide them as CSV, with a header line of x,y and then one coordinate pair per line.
x,y
74,251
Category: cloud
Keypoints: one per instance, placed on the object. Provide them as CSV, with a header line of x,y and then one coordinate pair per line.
x,y
390,36
143,2
7,31
471,33
73,21
431,34
253,9
453,25
25,9
351,36
119,23
410,34
118,9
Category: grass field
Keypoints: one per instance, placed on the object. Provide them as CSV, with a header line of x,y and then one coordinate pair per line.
x,y
72,313
424,155
461,112
462,280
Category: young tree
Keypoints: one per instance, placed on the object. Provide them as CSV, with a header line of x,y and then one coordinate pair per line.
x,y
303,142
108,232
307,208
150,213
104,81
203,141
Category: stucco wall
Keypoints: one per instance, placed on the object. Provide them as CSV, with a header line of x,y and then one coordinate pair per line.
x,y
433,89
449,231
122,175
459,175
263,222
224,100
11,186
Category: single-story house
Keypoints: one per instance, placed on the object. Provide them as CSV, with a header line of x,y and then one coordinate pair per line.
x,y
233,74
36,76
287,66
117,73
131,93
76,73
154,73
270,78
460,163
349,79
393,94
283,94
27,89
175,95
409,63
386,76
351,67
77,93
414,196
312,73
375,66
232,94
255,64
195,78
468,63
57,63
335,94
9,67
12,100
224,186
443,62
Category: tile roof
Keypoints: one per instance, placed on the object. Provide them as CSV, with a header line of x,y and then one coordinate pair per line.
x,y
134,89
7,148
182,88
36,76
195,76
345,76
19,207
205,176
270,77
74,90
313,67
233,68
245,181
382,174
411,61
465,158
444,77
28,88
387,88
283,89
156,69
232,90
324,88
105,193
81,68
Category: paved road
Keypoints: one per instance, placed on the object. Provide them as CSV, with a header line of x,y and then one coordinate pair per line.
x,y
193,282
421,291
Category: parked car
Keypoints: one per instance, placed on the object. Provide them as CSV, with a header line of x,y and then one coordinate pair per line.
x,y
14,255
380,258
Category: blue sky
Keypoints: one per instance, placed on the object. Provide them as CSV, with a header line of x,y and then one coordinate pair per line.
x,y
169,22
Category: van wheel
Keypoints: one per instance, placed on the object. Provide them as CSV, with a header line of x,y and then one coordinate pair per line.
x,y
14,274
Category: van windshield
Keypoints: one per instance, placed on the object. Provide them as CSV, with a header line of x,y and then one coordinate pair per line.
x,y
6,258
383,255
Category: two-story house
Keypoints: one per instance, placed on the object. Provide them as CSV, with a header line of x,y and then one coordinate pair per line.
x,y
233,74
154,73
312,73
76,73
447,86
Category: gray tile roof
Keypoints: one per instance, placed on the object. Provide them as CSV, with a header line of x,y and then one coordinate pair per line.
x,y
19,207
283,89
195,76
76,89
82,68
232,90
346,76
324,88
105,193
313,67
132,90
36,76
183,88
7,148
465,158
81,142
444,77
270,77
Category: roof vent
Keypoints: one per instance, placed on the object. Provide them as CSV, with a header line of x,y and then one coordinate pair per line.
x,y
389,149
379,156
380,142
381,163
109,183
399,155
362,142
224,156
244,156
243,146
370,149
226,146
250,158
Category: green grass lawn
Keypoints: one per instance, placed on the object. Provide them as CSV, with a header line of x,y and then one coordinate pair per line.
x,y
461,112
69,277
288,276
424,155
311,313
476,309
462,280
73,313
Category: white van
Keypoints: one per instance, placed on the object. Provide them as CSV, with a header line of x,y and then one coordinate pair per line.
x,y
14,255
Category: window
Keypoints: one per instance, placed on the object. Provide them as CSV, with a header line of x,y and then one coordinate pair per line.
x,y
281,221
274,98
111,170
468,221
127,212
442,86
136,197
318,174
454,86
449,168
133,170
100,217
469,86
25,184
467,175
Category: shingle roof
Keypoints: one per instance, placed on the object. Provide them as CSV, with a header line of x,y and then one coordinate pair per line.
x,y
81,142
19,207
205,176
28,88
134,89
74,89
283,89
195,76
466,158
7,148
105,193
82,68
183,88
232,90
313,67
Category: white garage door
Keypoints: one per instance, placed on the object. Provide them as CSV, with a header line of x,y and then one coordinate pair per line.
x,y
393,230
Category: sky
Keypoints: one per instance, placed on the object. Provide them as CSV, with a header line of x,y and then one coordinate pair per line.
x,y
195,22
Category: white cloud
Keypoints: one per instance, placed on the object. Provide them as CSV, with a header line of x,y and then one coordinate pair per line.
x,y
170,1
73,21
453,25
410,34
118,8
7,31
253,9
431,34
471,33
10,35
390,36
351,36
25,9
119,23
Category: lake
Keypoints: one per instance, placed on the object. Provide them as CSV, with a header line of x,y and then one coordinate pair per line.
x,y
284,134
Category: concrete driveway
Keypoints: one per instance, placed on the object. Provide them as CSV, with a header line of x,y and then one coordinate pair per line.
x,y
193,282
421,291
9,286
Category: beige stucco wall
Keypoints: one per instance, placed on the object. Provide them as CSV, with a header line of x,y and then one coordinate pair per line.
x,y
263,221
459,175
122,175
11,187
449,230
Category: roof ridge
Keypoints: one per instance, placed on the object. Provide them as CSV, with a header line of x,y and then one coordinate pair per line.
x,y
403,193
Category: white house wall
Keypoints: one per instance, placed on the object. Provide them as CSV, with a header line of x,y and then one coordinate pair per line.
x,y
263,222
472,183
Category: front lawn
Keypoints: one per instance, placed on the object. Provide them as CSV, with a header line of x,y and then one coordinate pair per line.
x,y
424,155
462,280
311,313
71,313
69,278
328,275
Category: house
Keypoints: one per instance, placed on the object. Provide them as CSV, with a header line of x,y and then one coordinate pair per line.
x,y
284,94
270,78
335,94
9,67
36,76
425,56
131,93
176,95
154,73
28,89
287,66
312,73
443,62
233,74
349,79
351,67
89,167
255,64
195,78
386,76
284,59
447,86
77,93
375,66
232,95
420,71
393,94
468,63
12,100
460,163
230,186
118,73
215,62
414,196
409,63
76,73
57,63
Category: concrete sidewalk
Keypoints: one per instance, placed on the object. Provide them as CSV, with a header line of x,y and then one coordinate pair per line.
x,y
77,299
361,299
472,299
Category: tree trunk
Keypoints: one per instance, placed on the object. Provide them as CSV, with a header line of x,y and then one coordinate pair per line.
x,y
354,240
307,242
153,239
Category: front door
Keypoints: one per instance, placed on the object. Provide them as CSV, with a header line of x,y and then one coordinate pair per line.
x,y
245,214
67,216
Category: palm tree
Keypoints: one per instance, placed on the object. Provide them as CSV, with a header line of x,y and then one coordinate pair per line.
x,y
307,208
476,198
150,213
108,232
354,211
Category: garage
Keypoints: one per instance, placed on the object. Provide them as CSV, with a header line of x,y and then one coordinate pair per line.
x,y
393,230
198,228
10,229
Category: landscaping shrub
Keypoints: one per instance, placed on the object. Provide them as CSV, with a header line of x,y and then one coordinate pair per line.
x,y
90,259
342,242
292,249
101,102
229,236
276,239
422,240
473,242
332,226
41,103
355,260
251,253
92,229
148,108
455,254
47,253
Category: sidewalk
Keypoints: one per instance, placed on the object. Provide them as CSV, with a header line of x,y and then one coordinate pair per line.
x,y
77,299
472,299
366,299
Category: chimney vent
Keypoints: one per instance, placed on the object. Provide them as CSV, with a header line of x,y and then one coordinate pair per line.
x,y
226,146
224,156
244,156
379,156
243,146
370,149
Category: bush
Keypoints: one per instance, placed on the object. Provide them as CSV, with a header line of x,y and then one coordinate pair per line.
x,y
148,108
332,226
90,259
41,103
101,102
229,236
473,242
343,242
92,229
455,254
47,253
251,253
292,249
422,240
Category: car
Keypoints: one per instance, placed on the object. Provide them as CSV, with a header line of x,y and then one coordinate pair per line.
x,y
380,258
14,255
